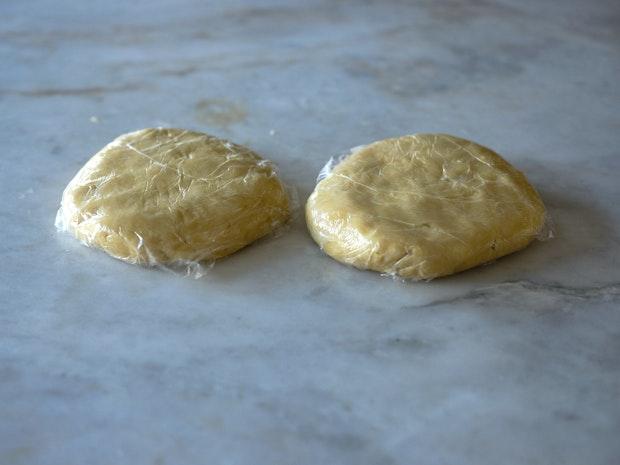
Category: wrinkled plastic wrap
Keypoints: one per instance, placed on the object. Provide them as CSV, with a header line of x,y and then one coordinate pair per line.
x,y
423,206
174,199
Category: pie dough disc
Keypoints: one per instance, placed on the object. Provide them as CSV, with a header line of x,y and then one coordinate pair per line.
x,y
170,196
423,206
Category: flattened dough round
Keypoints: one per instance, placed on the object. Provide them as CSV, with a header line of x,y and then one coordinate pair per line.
x,y
423,206
168,196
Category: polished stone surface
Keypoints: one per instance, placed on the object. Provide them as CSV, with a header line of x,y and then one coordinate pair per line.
x,y
281,355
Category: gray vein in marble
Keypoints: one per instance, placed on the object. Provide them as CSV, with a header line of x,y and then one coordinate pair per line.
x,y
609,292
72,92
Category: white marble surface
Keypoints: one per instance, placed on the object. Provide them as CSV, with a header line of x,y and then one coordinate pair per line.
x,y
281,355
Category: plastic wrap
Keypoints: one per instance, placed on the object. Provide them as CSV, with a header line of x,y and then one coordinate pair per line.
x,y
174,199
423,206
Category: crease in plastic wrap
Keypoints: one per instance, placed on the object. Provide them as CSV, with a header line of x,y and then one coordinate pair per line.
x,y
423,206
174,199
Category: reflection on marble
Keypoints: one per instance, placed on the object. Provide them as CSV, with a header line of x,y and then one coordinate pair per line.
x,y
282,355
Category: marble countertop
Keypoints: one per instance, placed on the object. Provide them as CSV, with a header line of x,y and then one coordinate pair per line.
x,y
281,355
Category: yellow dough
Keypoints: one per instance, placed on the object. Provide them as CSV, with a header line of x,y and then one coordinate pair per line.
x,y
423,206
170,196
